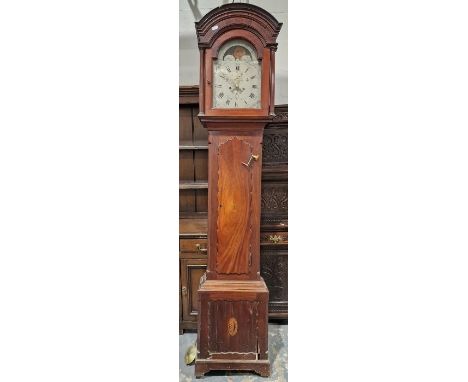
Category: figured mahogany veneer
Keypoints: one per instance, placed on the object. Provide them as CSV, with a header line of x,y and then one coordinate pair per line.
x,y
234,201
233,226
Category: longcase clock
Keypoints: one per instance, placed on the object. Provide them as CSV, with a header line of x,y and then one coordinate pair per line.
x,y
237,45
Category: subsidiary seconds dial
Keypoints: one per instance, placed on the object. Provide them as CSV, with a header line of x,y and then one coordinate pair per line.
x,y
237,77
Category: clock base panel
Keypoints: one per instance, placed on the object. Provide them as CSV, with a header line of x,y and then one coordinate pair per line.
x,y
233,326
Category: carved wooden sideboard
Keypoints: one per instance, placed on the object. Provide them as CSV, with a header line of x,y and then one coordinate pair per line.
x,y
193,205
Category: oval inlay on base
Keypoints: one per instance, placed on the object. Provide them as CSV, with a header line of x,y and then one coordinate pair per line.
x,y
232,326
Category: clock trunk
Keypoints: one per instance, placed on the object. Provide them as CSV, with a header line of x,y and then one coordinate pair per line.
x,y
234,203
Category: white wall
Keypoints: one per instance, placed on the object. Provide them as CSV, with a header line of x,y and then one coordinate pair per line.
x,y
193,10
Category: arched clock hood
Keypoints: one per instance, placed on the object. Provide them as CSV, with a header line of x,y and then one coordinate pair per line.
x,y
226,23
238,16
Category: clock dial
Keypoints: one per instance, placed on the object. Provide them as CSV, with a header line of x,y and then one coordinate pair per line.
x,y
237,77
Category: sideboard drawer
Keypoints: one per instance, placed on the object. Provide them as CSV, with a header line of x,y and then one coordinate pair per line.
x,y
194,245
273,238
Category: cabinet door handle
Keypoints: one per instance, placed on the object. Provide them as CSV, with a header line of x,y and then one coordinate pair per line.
x,y
200,249
252,156
184,291
275,239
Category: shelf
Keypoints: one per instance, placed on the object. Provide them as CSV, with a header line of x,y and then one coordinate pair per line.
x,y
193,215
188,185
193,147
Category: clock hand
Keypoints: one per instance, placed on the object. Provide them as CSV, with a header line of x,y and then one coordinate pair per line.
x,y
228,80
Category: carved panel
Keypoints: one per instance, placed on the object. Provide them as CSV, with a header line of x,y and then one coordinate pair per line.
x,y
274,270
281,116
275,146
272,221
274,198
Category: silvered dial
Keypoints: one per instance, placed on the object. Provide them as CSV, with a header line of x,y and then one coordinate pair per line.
x,y
237,77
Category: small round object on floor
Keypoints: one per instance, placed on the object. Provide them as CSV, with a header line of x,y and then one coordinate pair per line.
x,y
191,354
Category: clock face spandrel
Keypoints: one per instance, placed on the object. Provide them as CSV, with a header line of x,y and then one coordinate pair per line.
x,y
237,77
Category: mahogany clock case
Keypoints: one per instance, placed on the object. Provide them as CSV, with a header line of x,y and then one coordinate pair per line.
x,y
193,207
232,295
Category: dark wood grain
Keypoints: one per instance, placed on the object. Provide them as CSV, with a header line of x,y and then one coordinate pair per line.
x,y
275,198
245,302
186,201
274,269
188,95
193,227
191,271
275,146
201,200
200,165
193,245
186,167
200,135
242,340
185,125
